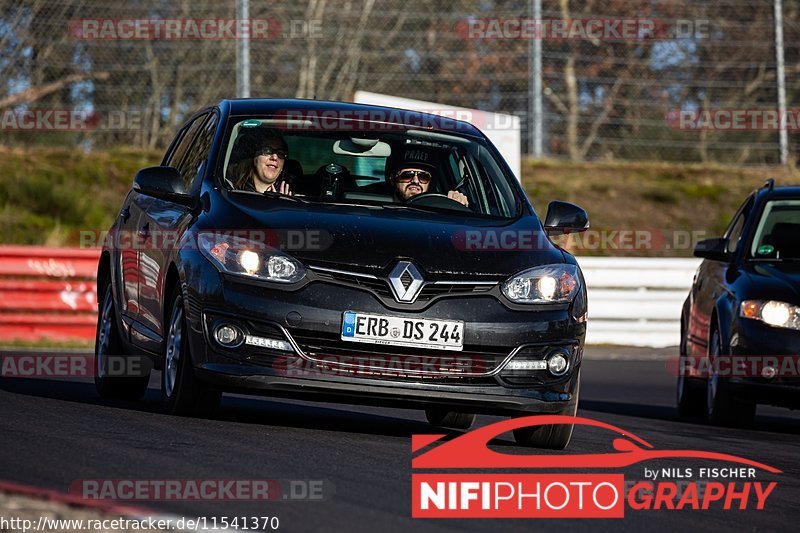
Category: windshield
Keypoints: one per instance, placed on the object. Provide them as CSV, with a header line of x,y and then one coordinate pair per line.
x,y
392,167
778,232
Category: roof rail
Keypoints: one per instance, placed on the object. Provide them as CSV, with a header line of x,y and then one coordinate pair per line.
x,y
769,184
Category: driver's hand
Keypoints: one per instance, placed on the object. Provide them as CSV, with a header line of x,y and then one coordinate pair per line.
x,y
285,189
458,197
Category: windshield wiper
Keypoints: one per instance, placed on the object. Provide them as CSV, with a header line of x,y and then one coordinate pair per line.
x,y
404,206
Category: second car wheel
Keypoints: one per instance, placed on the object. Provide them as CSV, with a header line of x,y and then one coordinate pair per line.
x,y
691,397
107,345
181,392
722,407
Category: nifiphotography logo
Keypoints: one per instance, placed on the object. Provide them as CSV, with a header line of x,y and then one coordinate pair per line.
x,y
729,482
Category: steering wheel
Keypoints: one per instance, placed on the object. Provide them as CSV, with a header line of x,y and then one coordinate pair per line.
x,y
435,199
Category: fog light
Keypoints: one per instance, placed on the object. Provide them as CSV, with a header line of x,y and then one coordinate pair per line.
x,y
272,344
228,336
768,372
557,363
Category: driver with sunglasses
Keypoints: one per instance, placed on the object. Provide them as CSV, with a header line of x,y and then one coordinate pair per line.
x,y
261,160
410,171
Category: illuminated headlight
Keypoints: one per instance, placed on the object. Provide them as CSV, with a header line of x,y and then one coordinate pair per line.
x,y
774,313
246,257
545,284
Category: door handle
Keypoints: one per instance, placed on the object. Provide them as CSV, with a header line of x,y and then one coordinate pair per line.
x,y
125,214
144,231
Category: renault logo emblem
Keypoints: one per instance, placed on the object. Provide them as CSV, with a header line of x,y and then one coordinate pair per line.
x,y
406,282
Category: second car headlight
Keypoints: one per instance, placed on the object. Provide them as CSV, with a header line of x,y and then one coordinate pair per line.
x,y
772,312
245,257
544,284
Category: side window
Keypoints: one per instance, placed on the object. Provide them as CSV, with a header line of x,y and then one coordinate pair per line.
x,y
197,155
174,159
735,233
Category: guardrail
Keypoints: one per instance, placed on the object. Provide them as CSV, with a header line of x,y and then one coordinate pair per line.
x,y
50,293
636,301
47,293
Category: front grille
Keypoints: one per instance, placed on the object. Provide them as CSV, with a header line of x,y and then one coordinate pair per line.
x,y
377,360
380,287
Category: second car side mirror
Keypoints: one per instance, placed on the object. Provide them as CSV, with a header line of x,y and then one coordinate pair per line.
x,y
714,249
564,217
162,182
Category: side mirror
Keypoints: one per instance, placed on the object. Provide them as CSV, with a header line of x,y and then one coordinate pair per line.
x,y
564,217
714,249
162,182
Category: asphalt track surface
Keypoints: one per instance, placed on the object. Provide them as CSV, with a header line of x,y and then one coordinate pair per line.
x,y
54,432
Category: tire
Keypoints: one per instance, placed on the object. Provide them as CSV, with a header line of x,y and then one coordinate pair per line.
x,y
449,419
182,394
550,436
722,407
107,343
690,397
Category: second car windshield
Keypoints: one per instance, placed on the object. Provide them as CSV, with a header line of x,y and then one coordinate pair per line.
x,y
778,231
414,168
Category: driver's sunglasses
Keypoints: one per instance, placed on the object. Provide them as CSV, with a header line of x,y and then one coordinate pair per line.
x,y
277,151
407,175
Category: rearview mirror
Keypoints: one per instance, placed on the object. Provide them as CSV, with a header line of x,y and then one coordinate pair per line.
x,y
162,182
714,249
564,217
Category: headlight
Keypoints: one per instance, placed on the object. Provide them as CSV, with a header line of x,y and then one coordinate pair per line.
x,y
778,314
237,255
545,284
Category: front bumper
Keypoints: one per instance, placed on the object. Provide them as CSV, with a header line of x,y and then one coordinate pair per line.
x,y
756,345
323,367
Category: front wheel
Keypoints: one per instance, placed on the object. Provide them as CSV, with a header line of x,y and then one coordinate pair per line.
x,y
182,393
690,396
550,436
109,359
722,406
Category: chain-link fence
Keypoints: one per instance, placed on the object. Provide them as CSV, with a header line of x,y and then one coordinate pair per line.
x,y
621,79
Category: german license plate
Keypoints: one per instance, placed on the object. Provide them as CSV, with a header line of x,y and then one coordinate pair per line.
x,y
399,331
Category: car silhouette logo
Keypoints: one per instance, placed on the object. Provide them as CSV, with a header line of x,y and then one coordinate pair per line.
x,y
470,449
406,281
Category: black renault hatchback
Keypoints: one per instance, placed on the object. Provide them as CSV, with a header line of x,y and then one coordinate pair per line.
x,y
342,253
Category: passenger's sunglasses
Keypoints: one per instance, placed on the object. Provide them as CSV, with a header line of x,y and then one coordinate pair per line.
x,y
407,175
277,151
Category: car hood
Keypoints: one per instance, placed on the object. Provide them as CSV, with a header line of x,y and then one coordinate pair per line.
x,y
373,238
775,277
